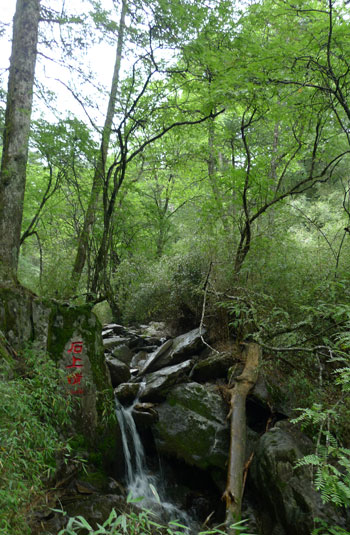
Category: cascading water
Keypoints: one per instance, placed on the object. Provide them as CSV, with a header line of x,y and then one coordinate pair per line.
x,y
140,482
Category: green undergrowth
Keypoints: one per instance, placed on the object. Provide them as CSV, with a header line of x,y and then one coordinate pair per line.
x,y
141,522
33,413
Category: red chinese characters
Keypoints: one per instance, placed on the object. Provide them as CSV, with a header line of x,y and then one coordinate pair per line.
x,y
75,379
75,347
77,362
75,365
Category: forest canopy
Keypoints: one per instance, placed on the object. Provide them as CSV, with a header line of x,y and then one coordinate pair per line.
x,y
222,141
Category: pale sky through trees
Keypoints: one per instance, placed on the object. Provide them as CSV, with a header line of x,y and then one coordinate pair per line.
x,y
96,62
100,58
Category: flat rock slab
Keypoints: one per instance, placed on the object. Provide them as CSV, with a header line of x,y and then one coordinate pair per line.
x,y
150,364
117,329
157,384
107,332
114,341
175,351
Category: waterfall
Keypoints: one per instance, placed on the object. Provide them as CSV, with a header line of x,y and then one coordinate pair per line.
x,y
140,482
138,478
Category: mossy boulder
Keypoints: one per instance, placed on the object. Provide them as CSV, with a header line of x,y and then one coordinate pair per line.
x,y
192,426
75,343
104,312
71,336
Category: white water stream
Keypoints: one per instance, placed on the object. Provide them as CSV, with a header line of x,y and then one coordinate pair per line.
x,y
140,482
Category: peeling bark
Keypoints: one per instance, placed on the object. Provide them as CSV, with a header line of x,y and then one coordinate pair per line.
x,y
16,133
235,476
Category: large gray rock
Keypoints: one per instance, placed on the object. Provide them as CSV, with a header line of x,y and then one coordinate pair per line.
x,y
120,372
123,353
113,328
280,398
157,384
188,344
192,426
288,501
175,351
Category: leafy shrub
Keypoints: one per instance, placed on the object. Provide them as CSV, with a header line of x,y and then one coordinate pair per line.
x,y
164,290
32,410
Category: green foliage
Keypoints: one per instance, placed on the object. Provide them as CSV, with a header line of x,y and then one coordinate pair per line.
x,y
331,461
144,522
325,529
33,413
167,289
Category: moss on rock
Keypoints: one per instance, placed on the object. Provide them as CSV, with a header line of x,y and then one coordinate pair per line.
x,y
53,327
192,426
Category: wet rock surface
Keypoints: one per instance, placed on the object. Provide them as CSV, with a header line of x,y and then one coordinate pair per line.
x,y
145,415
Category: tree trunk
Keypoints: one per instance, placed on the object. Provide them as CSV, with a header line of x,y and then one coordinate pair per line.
x,y
16,134
100,267
234,487
213,180
100,169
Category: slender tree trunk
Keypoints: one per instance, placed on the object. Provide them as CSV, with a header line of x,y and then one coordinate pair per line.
x,y
109,204
16,134
212,176
243,248
273,172
234,487
161,238
100,169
